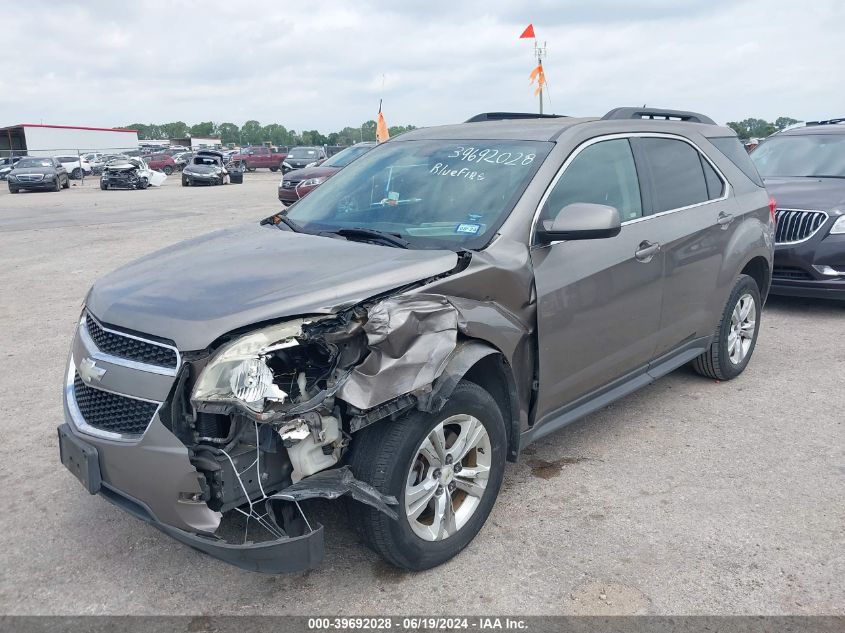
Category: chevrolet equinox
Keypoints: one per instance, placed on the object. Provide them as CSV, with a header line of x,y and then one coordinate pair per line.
x,y
394,338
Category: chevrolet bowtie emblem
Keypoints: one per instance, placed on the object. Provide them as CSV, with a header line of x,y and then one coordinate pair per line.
x,y
89,372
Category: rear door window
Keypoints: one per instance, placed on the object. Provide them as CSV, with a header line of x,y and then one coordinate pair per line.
x,y
733,149
676,172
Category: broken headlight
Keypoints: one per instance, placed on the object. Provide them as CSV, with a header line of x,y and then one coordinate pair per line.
x,y
239,372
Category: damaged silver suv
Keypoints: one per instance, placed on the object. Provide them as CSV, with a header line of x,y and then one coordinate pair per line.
x,y
395,337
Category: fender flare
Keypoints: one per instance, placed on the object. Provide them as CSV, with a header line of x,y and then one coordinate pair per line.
x,y
467,354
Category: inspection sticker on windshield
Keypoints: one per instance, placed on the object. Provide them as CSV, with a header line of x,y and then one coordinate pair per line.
x,y
470,229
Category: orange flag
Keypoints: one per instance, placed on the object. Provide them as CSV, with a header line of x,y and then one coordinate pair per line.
x,y
539,76
382,133
528,32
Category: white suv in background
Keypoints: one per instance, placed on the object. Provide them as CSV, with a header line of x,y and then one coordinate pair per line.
x,y
75,166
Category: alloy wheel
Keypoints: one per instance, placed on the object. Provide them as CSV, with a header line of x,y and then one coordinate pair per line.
x,y
743,326
448,477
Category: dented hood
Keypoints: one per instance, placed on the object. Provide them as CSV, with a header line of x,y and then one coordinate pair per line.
x,y
195,291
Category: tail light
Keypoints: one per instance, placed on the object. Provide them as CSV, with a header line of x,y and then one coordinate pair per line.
x,y
773,205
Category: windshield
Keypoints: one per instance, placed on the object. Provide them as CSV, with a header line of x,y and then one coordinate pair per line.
x,y
801,155
343,158
433,194
34,162
303,152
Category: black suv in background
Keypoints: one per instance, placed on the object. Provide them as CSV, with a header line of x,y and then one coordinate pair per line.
x,y
804,169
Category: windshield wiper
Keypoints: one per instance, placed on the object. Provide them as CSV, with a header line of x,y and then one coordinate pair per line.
x,y
391,238
280,218
824,176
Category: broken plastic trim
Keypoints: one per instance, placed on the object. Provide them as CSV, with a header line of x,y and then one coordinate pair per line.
x,y
332,484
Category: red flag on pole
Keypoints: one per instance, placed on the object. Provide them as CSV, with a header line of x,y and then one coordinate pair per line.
x,y
528,32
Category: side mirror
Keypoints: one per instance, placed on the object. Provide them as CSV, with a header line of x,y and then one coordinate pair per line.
x,y
581,221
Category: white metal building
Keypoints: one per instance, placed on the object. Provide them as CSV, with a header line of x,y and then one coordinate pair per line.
x,y
49,140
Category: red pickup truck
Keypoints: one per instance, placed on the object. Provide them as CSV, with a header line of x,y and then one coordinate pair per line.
x,y
251,158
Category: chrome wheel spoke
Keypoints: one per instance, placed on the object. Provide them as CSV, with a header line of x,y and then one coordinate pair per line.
x,y
444,524
473,472
430,453
471,433
471,487
418,497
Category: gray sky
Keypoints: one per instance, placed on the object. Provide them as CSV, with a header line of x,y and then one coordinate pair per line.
x,y
319,65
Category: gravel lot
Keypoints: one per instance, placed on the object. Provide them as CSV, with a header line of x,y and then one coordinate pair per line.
x,y
689,497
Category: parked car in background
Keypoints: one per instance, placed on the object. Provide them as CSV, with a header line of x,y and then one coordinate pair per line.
x,y
207,168
99,161
38,172
251,158
182,158
7,164
303,156
129,172
299,183
402,332
804,169
161,162
75,166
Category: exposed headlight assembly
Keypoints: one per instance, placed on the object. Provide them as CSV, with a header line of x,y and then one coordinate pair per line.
x,y
239,374
839,226
287,164
313,182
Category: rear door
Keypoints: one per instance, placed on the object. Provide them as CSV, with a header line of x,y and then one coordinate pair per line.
x,y
696,219
598,301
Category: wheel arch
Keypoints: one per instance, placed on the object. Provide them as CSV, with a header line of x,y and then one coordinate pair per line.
x,y
759,270
482,364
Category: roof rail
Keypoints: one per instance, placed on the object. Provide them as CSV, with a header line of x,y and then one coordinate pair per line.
x,y
506,116
826,122
657,113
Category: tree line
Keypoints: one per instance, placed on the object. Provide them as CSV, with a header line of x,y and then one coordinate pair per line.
x,y
253,133
760,128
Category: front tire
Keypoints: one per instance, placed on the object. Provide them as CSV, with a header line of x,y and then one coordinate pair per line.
x,y
167,170
66,183
445,469
736,335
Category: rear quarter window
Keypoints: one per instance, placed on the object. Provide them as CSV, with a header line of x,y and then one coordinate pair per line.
x,y
733,149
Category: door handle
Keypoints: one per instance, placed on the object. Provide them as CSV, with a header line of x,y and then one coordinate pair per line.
x,y
646,250
724,219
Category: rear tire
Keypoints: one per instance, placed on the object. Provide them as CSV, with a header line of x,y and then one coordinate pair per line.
x,y
167,169
736,335
389,455
274,169
103,184
76,174
66,183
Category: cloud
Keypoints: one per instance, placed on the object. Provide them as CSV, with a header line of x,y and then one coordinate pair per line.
x,y
320,65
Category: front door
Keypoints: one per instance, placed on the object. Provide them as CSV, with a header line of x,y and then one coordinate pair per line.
x,y
598,301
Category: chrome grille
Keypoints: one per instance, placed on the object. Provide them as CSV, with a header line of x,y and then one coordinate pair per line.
x,y
289,184
112,412
797,225
129,347
30,177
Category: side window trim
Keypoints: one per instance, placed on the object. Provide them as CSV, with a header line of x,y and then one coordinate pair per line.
x,y
629,135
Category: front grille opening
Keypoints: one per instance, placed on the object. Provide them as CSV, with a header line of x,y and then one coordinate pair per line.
x,y
112,412
790,272
130,348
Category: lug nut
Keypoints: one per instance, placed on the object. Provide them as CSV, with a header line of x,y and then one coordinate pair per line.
x,y
439,491
457,467
452,486
448,459
435,474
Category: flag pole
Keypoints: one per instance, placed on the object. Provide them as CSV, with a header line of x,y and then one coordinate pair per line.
x,y
540,50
